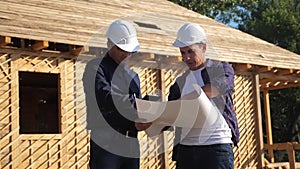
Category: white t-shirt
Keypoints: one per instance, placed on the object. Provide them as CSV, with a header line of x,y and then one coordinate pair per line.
x,y
218,133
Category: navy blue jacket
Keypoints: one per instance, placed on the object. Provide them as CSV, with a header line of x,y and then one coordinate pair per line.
x,y
110,90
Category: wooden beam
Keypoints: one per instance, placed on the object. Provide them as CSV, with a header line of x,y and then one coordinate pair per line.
x,y
277,165
275,84
296,145
278,83
169,59
161,73
290,147
283,86
259,135
270,75
142,56
291,155
241,67
282,165
38,45
77,51
284,71
265,81
4,40
164,154
261,69
277,146
268,124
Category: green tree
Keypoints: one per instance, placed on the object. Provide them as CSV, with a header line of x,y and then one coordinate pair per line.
x,y
223,11
285,119
276,21
285,113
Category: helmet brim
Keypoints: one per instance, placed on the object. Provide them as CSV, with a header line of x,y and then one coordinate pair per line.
x,y
179,44
129,47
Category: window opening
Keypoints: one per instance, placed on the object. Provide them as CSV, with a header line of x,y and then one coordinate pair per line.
x,y
39,108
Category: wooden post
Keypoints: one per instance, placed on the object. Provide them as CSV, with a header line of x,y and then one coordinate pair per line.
x,y
165,150
259,136
268,124
291,154
14,112
164,139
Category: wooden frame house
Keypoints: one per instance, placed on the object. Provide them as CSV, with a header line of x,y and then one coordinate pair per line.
x,y
44,47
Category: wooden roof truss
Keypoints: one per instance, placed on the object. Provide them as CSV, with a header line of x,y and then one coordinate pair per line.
x,y
271,78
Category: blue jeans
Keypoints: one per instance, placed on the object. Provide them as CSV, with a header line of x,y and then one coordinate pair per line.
x,y
218,156
102,159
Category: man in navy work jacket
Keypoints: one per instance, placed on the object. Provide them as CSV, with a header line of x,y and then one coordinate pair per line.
x,y
209,147
110,89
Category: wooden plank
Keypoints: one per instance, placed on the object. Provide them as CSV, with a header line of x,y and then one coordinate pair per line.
x,y
242,67
277,146
14,119
4,40
164,153
142,56
261,69
259,135
79,50
268,124
284,71
277,165
265,81
283,86
274,76
38,45
161,80
40,137
292,157
296,146
163,59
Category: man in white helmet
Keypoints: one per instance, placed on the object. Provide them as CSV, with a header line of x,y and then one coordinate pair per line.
x,y
209,147
110,89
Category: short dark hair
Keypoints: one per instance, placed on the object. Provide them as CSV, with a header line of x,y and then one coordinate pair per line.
x,y
110,41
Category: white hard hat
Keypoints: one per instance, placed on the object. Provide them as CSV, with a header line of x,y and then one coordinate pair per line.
x,y
188,34
123,35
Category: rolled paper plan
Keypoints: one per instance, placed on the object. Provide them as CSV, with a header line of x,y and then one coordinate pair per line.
x,y
200,112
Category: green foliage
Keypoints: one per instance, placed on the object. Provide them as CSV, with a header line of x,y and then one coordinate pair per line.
x,y
276,21
224,11
285,108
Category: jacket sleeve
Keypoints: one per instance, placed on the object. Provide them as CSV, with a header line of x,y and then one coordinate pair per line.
x,y
223,80
222,77
116,101
175,94
88,79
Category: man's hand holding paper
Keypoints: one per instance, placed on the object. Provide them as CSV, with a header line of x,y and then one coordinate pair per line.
x,y
194,110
